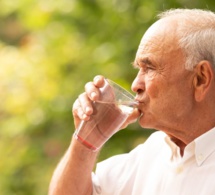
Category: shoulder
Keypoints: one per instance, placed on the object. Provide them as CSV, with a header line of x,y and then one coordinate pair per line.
x,y
117,170
155,140
152,145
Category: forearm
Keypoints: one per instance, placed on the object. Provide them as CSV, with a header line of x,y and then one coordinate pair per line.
x,y
73,174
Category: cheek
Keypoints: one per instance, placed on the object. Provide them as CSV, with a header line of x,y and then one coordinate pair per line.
x,y
153,90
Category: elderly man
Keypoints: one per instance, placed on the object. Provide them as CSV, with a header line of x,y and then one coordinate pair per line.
x,y
175,87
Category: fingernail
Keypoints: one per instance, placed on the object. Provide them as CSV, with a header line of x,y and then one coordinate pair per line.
x,y
96,79
85,117
88,109
93,95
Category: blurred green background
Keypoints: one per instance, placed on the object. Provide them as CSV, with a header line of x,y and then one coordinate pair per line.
x,y
48,51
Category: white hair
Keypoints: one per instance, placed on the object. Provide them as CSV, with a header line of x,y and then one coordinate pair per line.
x,y
196,34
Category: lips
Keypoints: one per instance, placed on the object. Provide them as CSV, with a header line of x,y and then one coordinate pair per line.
x,y
139,103
140,107
140,98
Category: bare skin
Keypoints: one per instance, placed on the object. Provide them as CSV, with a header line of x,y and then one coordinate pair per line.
x,y
173,100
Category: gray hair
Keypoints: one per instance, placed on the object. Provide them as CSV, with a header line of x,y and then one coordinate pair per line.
x,y
196,34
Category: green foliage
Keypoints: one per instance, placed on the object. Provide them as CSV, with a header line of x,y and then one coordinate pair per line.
x,y
48,51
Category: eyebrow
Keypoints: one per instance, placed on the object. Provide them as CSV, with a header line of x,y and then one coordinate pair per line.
x,y
135,64
144,60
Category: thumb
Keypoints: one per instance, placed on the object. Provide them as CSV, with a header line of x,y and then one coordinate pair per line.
x,y
132,118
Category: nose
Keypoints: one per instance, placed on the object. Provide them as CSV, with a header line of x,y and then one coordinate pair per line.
x,y
138,85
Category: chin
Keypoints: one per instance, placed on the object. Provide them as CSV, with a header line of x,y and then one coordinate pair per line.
x,y
146,122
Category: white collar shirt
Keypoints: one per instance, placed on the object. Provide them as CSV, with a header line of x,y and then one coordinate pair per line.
x,y
157,168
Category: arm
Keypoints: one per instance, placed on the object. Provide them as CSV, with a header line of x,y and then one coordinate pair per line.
x,y
73,174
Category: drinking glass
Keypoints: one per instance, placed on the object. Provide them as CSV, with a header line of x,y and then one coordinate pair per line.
x,y
110,112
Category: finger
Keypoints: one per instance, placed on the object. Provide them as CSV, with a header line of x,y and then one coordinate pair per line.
x,y
76,113
85,104
77,110
92,91
134,116
131,118
81,110
99,81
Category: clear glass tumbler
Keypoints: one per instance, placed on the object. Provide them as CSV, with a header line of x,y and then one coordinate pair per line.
x,y
109,114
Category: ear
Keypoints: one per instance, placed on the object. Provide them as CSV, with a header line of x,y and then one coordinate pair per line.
x,y
203,78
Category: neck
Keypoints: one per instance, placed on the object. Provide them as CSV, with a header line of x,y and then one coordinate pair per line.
x,y
179,143
182,140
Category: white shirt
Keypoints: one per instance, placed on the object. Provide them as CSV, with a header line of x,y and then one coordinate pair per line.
x,y
157,168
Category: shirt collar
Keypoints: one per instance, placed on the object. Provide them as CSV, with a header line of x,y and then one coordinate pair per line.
x,y
201,147
174,149
204,146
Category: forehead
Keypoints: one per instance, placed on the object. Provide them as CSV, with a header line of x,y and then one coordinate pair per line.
x,y
162,30
160,42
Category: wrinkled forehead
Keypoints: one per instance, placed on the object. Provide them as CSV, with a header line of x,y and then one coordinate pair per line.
x,y
160,44
162,35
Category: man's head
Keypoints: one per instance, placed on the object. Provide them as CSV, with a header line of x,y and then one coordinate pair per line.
x,y
196,34
175,75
